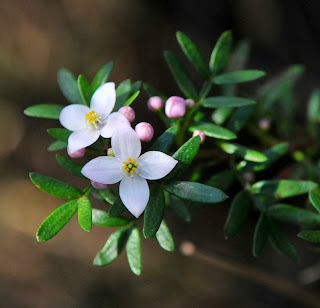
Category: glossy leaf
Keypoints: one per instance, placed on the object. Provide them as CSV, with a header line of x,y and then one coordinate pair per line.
x,y
131,99
238,76
215,131
164,237
313,111
108,195
57,145
181,75
71,166
123,92
238,213
154,212
152,91
102,218
136,86
61,134
180,209
310,235
165,141
240,118
69,86
193,54
56,221
314,197
47,111
102,76
133,249
117,208
227,101
55,187
85,89
85,213
220,115
260,236
221,180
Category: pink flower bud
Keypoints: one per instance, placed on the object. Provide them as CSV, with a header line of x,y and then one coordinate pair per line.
x,y
98,185
189,102
264,124
128,112
175,107
144,131
77,154
155,103
199,133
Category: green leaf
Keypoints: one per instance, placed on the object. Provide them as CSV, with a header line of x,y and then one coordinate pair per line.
x,y
240,118
180,209
57,145
117,208
70,165
152,91
227,101
131,99
244,152
291,214
221,180
56,221
313,111
85,213
69,86
221,52
102,218
85,90
61,134
215,131
281,243
184,155
123,91
102,76
55,187
154,212
112,248
314,197
238,76
193,54
165,141
283,188
220,115
164,237
310,235
47,111
196,192
238,213
136,86
108,195
133,249
260,235
181,75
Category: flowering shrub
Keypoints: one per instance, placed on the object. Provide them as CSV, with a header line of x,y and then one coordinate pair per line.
x,y
197,142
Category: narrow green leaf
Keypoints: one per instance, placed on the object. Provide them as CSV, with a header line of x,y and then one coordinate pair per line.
x,y
165,141
310,235
193,54
108,195
220,115
102,76
131,99
154,212
240,56
56,221
61,134
69,86
112,248
313,111
283,188
136,86
238,76
180,209
70,165
117,208
314,197
240,118
85,213
181,75
244,152
196,192
215,131
133,249
57,145
85,90
55,187
47,111
123,92
164,237
238,213
220,53
260,235
221,180
152,91
102,218
227,101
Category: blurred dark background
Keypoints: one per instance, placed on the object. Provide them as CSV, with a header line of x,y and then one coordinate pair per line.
x,y
39,37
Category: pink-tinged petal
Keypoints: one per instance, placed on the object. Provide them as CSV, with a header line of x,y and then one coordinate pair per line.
x,y
103,99
73,117
125,143
103,169
114,120
134,193
154,165
82,138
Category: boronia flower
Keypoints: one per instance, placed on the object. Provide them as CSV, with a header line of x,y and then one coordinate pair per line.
x,y
130,168
87,123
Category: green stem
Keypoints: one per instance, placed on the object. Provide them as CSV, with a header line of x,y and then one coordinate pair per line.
x,y
87,190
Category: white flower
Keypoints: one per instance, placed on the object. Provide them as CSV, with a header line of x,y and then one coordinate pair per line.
x,y
87,123
130,168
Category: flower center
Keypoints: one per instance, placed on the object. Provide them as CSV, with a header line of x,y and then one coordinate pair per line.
x,y
93,118
130,165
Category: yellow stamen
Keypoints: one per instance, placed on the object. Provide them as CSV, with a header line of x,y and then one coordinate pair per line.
x,y
130,165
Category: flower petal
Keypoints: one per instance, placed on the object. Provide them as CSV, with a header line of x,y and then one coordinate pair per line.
x,y
125,143
134,193
103,99
114,120
73,117
154,165
82,138
103,169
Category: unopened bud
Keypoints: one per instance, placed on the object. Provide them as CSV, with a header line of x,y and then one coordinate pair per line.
x,y
110,152
175,107
155,103
144,131
200,133
128,112
189,102
264,124
77,154
187,248
98,185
